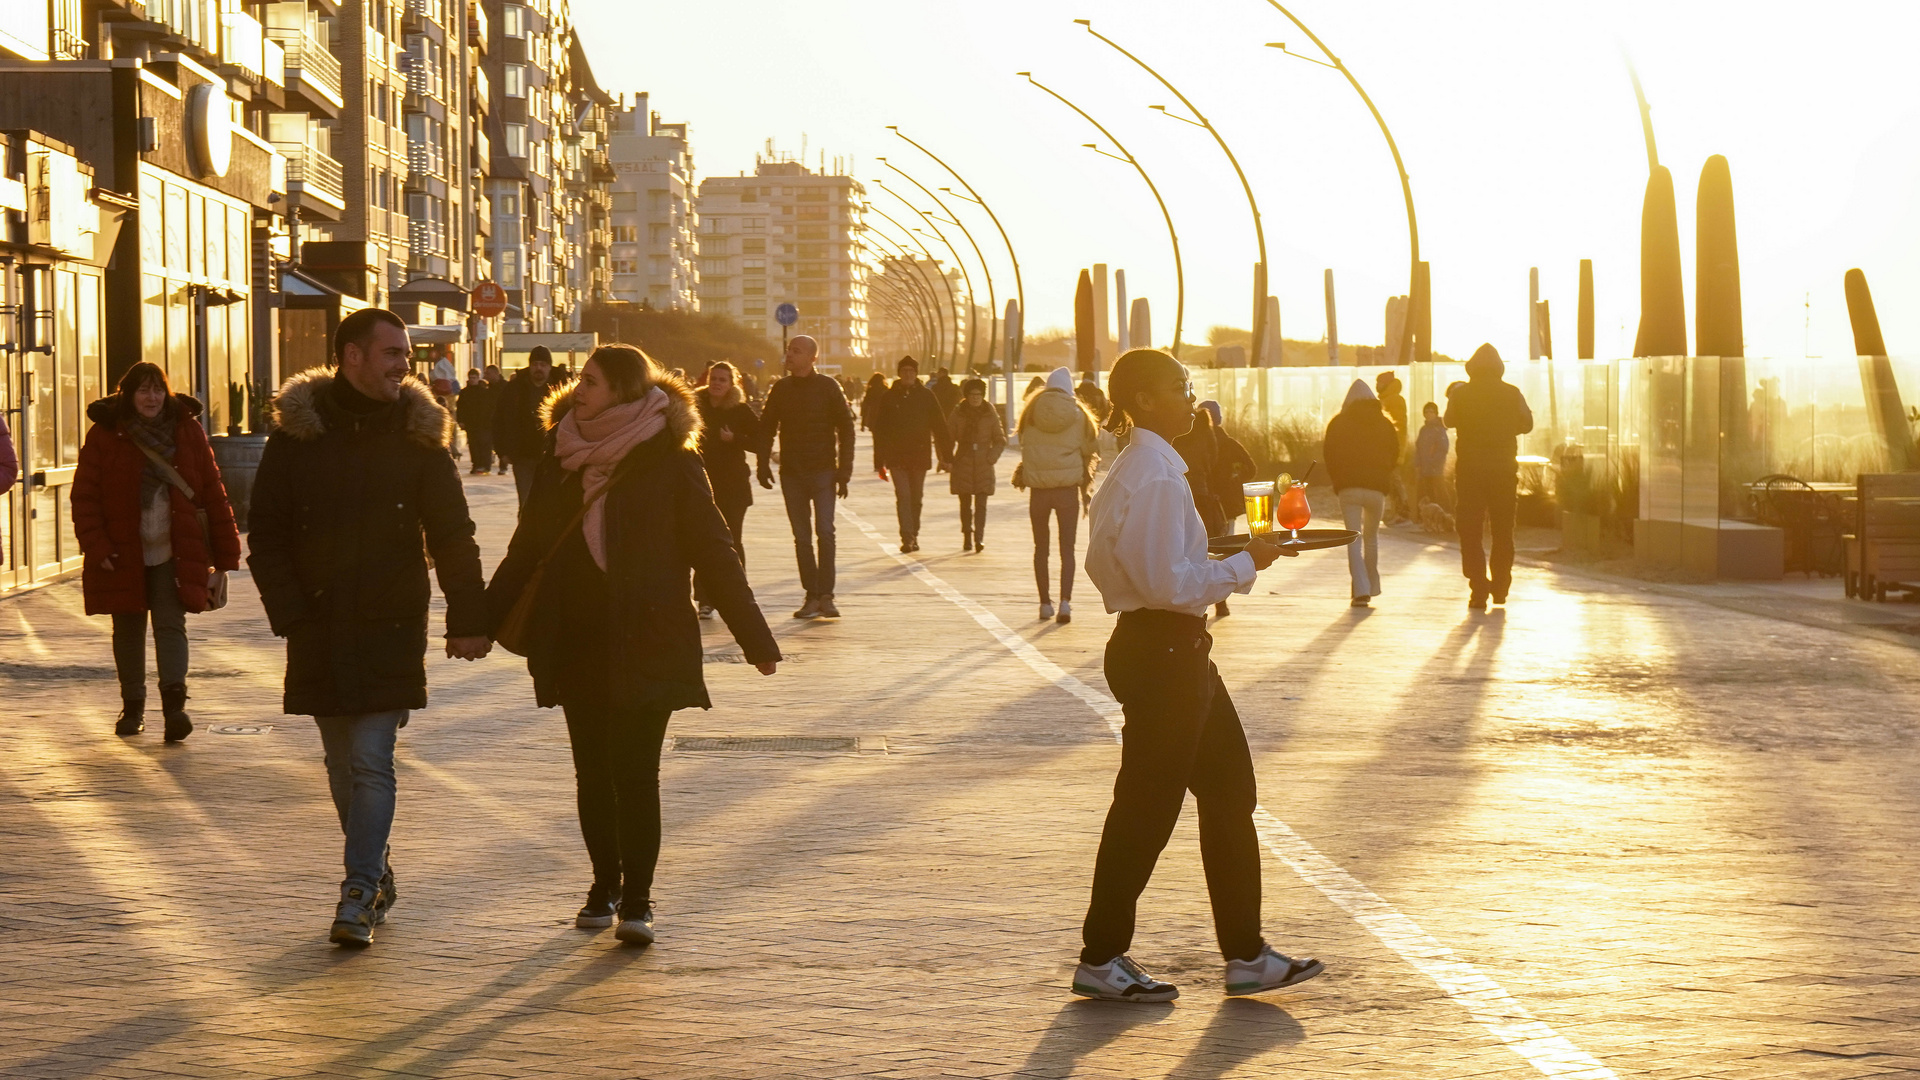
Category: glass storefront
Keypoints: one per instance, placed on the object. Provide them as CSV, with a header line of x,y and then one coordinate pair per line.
x,y
194,284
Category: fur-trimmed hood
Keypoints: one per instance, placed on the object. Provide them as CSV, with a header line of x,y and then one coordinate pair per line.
x,y
735,396
683,415
102,410
299,411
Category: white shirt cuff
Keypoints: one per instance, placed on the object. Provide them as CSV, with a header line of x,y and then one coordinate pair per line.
x,y
1243,571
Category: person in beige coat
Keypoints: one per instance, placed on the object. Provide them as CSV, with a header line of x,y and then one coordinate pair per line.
x,y
1059,449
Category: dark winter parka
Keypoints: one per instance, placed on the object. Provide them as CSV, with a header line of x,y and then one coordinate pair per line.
x,y
1362,446
909,428
661,526
726,462
979,436
476,405
516,417
106,512
340,504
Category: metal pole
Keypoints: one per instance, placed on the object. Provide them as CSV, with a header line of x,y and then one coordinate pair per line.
x,y
1019,287
923,273
993,302
966,278
915,291
1259,231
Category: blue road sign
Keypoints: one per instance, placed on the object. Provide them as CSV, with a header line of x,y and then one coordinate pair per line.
x,y
786,314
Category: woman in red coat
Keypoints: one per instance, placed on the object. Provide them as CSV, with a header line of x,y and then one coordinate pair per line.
x,y
144,546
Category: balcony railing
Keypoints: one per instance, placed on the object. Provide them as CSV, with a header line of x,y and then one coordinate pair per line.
x,y
311,62
433,11
427,237
311,172
245,47
424,159
424,80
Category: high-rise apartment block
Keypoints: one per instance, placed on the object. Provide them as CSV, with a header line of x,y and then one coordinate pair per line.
x,y
653,248
787,234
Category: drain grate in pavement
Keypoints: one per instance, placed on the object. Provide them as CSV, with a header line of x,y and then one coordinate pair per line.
x,y
241,729
768,743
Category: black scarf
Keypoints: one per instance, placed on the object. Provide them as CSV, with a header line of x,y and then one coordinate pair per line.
x,y
156,435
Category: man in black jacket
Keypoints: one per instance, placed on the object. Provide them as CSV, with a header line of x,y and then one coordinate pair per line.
x,y
814,425
517,435
355,472
908,422
474,409
1491,415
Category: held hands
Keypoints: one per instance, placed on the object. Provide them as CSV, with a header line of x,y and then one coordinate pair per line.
x,y
1265,551
469,648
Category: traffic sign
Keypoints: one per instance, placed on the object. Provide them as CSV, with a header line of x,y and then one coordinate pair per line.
x,y
489,300
786,314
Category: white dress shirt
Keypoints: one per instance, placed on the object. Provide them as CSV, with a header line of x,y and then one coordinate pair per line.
x,y
1148,547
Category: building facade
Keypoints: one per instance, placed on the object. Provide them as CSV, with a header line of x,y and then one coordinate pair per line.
x,y
654,253
787,235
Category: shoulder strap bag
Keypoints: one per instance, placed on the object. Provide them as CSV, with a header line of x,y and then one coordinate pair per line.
x,y
217,589
515,631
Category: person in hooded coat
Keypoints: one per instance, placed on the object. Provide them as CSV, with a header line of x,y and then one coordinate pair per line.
x,y
944,391
619,518
1362,449
1232,468
979,435
909,433
729,431
145,552
1059,452
1490,414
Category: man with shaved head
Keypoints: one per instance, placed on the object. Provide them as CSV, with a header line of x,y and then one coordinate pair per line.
x,y
814,423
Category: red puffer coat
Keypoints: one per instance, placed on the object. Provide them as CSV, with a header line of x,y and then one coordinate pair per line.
x,y
106,513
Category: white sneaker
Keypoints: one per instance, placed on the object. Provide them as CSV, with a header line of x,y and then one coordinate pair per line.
x,y
706,611
1269,971
1120,979
1046,610
636,925
1066,613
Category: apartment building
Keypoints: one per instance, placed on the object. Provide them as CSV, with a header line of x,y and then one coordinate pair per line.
x,y
653,247
787,234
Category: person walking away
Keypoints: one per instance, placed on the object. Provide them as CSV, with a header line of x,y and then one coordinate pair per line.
x,y
474,408
1093,397
909,433
1490,414
979,438
516,419
1200,450
619,519
1232,468
870,399
1362,449
1147,554
354,476
1393,403
153,523
810,417
1059,452
1430,459
944,391
444,379
729,430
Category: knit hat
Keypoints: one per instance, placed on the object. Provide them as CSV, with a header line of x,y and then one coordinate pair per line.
x,y
1213,408
1060,379
1486,361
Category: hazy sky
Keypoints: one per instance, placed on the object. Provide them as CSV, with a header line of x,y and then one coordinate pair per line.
x,y
1516,120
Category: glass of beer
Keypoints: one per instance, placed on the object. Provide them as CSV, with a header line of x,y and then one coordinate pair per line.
x,y
1259,496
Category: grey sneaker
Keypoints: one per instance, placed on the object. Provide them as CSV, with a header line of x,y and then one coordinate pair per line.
x,y
602,902
1066,613
383,900
354,920
1269,971
636,924
1120,979
827,610
1046,610
809,610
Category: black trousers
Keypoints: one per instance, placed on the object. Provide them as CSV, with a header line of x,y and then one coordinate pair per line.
x,y
1182,734
973,517
909,485
616,767
1486,496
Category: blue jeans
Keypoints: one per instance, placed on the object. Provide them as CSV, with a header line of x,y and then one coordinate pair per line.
x,y
360,775
809,498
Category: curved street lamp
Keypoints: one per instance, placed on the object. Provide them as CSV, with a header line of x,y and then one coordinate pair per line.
x,y
1259,231
931,262
898,299
1179,271
889,303
914,285
966,278
993,300
1416,294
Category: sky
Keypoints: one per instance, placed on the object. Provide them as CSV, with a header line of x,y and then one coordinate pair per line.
x,y
1516,119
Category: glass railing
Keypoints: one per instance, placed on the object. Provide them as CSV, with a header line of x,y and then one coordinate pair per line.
x,y
310,61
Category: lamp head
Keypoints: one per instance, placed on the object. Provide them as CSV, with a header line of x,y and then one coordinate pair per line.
x,y
893,127
1161,108
1091,146
1088,23
879,159
1281,45
1024,74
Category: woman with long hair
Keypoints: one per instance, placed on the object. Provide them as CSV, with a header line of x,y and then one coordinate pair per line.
x,y
1059,451
620,515
729,431
153,521
979,436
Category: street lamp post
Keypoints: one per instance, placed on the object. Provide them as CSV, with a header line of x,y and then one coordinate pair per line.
x,y
950,334
914,286
890,303
1179,271
938,318
1259,231
1416,288
966,277
993,300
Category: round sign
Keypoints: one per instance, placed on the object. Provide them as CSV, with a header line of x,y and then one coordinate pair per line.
x,y
786,314
489,299
210,126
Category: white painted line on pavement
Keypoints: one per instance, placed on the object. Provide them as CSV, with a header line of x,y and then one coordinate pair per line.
x,y
1485,1000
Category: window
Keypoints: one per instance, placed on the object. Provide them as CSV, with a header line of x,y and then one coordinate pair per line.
x,y
812,196
513,82
713,266
749,195
814,270
753,224
626,202
813,232
712,245
753,287
813,251
813,288
517,140
513,21
624,266
626,234
753,245
753,307
813,213
657,235
510,268
753,266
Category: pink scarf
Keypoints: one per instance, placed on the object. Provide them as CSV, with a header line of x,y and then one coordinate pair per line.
x,y
597,445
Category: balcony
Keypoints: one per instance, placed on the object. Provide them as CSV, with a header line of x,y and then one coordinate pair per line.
x,y
246,51
313,176
598,239
424,80
427,237
313,72
477,29
425,160
433,11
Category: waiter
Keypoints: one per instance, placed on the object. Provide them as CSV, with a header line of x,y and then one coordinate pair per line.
x,y
1148,557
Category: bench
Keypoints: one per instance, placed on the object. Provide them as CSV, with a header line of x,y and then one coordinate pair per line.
x,y
1883,554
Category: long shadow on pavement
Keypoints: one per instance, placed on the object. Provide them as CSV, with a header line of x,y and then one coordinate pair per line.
x,y
1082,1027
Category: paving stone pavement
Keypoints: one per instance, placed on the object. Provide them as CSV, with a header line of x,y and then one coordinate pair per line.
x,y
1682,837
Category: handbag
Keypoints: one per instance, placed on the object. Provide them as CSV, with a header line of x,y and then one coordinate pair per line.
x,y
217,590
515,631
